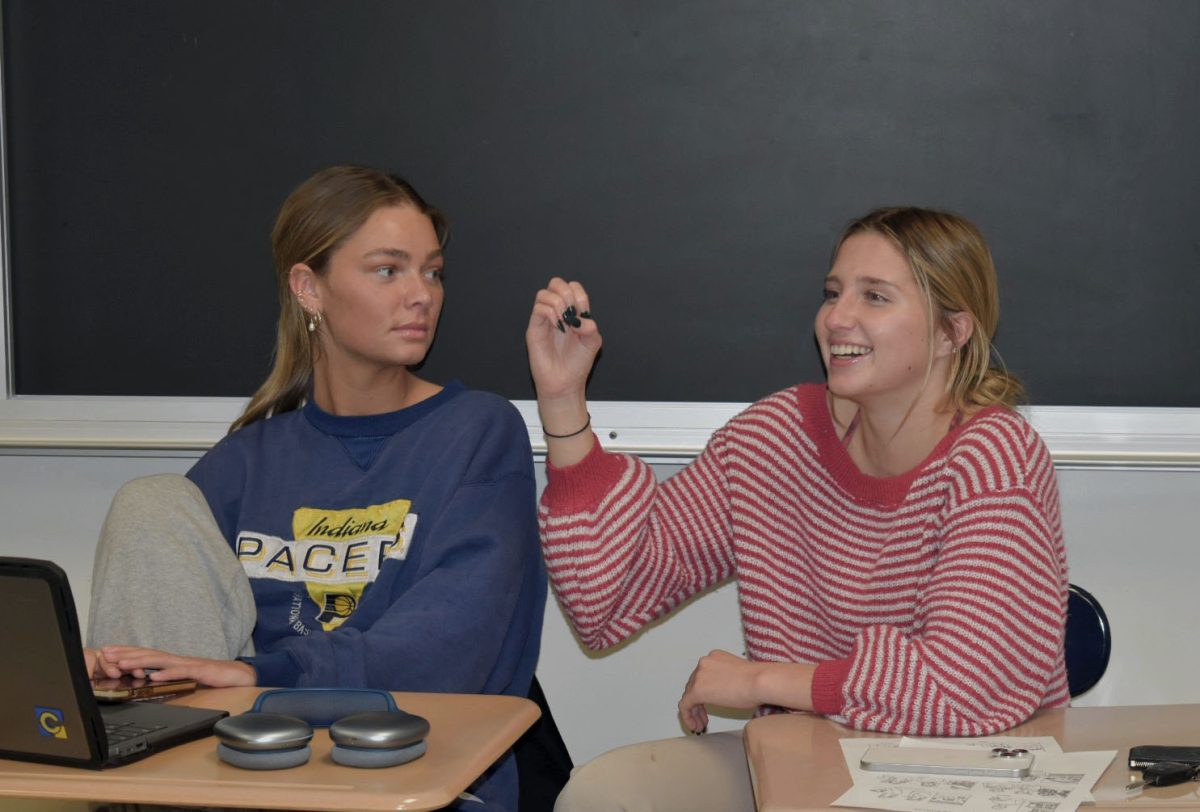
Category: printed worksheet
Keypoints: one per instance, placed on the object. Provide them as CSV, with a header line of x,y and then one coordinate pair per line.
x,y
1058,781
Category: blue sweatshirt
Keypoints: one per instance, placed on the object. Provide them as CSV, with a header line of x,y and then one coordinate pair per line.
x,y
396,551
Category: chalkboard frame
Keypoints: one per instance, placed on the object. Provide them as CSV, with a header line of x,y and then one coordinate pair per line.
x,y
1093,437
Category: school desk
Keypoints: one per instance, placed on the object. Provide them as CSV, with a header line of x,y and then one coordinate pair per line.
x,y
796,762
468,732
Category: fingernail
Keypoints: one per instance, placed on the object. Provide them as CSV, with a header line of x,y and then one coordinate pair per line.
x,y
561,329
587,314
569,313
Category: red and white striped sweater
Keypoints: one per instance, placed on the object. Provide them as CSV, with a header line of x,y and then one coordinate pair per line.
x,y
933,602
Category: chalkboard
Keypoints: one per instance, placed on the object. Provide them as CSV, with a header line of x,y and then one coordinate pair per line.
x,y
690,161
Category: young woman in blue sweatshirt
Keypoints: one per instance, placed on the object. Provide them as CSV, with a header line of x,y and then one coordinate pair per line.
x,y
359,526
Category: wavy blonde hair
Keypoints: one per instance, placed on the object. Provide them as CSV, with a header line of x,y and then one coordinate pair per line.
x,y
315,220
953,268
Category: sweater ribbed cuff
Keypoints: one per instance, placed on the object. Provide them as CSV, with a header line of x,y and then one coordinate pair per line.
x,y
828,681
277,670
581,486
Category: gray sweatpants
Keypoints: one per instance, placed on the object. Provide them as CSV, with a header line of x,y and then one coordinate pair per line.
x,y
164,576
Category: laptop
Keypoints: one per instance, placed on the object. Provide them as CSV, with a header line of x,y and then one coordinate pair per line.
x,y
47,709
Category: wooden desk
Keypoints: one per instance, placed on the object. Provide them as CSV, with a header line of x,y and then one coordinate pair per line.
x,y
467,733
796,762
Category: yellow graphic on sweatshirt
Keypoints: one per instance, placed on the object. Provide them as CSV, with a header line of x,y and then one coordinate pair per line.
x,y
336,554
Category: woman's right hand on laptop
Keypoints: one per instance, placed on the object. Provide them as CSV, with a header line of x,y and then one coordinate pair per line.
x,y
163,666
97,666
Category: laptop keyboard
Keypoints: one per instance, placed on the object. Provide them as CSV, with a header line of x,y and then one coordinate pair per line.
x,y
119,732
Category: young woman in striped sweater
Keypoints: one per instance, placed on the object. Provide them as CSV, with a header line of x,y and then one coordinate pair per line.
x,y
895,533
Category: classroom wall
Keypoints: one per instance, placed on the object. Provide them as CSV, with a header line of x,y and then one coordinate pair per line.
x,y
1131,538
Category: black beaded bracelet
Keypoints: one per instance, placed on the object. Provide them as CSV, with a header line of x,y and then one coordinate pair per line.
x,y
581,430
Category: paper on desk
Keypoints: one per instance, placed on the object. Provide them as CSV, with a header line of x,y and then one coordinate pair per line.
x,y
1058,782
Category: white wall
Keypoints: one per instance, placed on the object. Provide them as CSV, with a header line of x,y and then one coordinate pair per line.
x,y
1132,540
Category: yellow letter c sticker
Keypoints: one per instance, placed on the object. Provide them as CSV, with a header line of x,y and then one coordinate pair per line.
x,y
50,723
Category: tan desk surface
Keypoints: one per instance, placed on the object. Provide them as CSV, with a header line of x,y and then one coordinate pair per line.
x,y
796,761
467,733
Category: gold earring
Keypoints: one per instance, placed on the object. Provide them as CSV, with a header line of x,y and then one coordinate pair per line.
x,y
314,321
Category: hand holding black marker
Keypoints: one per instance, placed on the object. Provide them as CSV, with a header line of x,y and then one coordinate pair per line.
x,y
563,341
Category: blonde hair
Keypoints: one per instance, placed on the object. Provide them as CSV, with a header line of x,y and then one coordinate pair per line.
x,y
953,268
314,221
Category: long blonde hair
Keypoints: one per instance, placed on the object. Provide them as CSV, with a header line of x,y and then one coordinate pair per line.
x,y
953,268
314,221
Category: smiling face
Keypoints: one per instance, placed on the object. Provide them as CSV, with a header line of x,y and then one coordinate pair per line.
x,y
381,295
873,327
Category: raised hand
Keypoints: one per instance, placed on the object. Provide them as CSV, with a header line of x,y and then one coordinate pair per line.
x,y
563,341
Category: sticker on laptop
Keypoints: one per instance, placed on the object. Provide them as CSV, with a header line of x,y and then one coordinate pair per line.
x,y
50,722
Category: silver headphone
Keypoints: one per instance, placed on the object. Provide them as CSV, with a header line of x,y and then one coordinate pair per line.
x,y
366,727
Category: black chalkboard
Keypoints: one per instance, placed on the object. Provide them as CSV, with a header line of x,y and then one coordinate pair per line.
x,y
691,161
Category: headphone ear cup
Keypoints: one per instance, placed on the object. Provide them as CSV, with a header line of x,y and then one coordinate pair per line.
x,y
264,759
263,741
373,758
378,739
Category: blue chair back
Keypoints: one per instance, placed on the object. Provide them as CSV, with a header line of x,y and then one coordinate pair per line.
x,y
1088,640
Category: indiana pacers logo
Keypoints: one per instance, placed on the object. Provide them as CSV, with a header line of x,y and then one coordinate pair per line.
x,y
336,607
50,722
334,553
